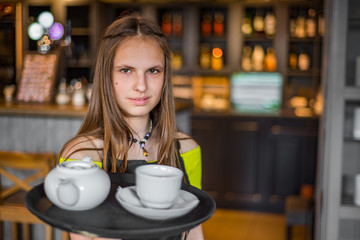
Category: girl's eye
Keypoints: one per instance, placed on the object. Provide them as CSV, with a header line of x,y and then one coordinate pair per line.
x,y
154,70
125,70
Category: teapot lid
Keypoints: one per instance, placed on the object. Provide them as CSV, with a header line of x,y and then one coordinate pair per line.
x,y
80,165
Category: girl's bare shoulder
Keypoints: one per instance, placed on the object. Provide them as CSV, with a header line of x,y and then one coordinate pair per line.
x,y
81,147
187,143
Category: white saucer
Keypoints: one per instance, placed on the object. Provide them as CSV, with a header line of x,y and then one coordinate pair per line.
x,y
128,198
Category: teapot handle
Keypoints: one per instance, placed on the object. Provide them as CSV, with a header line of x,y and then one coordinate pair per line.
x,y
67,192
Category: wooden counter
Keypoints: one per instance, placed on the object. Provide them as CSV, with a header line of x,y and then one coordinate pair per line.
x,y
54,110
46,127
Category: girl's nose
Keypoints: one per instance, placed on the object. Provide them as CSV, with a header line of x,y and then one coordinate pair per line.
x,y
140,84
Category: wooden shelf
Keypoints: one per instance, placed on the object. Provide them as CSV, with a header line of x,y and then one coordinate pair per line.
x,y
35,109
308,73
258,39
55,110
80,31
302,40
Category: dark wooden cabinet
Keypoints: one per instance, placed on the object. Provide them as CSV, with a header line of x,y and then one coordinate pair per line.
x,y
292,157
242,186
209,134
254,162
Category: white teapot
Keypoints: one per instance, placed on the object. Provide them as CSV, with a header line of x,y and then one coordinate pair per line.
x,y
77,185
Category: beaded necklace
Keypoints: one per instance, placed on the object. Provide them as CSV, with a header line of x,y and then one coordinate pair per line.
x,y
142,142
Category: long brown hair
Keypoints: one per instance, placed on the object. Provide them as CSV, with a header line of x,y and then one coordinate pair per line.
x,y
105,120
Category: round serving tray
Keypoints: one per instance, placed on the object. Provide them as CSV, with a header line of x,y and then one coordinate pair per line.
x,y
111,220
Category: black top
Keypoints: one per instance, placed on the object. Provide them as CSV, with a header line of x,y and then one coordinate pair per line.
x,y
133,164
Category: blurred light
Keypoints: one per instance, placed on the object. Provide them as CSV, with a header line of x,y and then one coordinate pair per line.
x,y
56,31
217,52
46,19
35,31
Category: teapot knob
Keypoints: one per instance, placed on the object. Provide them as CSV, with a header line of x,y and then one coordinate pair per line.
x,y
67,193
87,159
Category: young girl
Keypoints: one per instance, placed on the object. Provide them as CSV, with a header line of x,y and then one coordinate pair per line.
x,y
131,115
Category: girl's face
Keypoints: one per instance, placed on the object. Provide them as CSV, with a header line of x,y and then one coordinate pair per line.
x,y
138,76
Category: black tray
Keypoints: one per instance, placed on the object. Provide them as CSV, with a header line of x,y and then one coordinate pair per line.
x,y
111,220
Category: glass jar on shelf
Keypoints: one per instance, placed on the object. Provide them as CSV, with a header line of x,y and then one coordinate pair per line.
x,y
246,25
246,59
259,23
177,24
310,23
206,24
219,23
300,25
217,58
270,60
270,24
258,58
205,56
304,61
166,25
293,58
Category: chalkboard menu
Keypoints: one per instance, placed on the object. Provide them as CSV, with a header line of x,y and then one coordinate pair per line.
x,y
38,78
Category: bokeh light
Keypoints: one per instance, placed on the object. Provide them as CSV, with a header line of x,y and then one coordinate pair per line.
x,y
35,31
46,31
56,31
46,19
217,52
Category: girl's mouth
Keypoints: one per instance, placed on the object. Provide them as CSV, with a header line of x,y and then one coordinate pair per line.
x,y
139,101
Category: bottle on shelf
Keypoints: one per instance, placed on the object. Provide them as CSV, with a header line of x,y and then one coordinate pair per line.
x,y
177,24
304,61
177,60
206,24
9,91
292,23
300,25
78,96
270,24
246,26
293,58
217,58
257,58
270,60
246,59
166,25
62,96
310,23
205,56
259,24
219,23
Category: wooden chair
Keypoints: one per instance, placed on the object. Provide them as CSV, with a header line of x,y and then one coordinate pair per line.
x,y
12,198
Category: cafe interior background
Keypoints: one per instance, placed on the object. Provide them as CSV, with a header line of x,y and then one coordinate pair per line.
x,y
268,88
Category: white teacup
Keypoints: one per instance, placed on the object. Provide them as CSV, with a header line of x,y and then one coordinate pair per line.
x,y
158,185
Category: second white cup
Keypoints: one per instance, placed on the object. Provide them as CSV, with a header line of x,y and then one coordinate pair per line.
x,y
158,185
